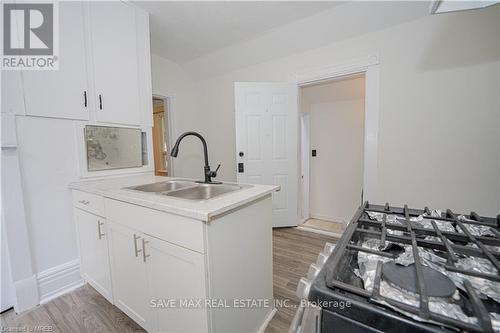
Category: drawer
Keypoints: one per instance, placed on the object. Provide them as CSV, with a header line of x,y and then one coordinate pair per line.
x,y
89,202
175,229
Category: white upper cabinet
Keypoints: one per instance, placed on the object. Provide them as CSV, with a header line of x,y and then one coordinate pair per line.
x,y
115,64
62,93
144,66
104,67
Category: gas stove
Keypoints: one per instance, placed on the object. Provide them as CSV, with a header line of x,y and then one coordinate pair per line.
x,y
405,270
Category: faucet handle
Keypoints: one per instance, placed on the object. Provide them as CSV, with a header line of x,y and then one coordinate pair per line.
x,y
214,173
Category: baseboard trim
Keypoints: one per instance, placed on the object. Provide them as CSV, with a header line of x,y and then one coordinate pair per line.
x,y
268,319
319,231
59,280
328,218
26,294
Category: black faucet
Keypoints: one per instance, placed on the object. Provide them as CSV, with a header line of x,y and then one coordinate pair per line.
x,y
208,174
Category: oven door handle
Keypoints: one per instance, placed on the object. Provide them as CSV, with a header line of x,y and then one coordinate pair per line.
x,y
297,319
307,319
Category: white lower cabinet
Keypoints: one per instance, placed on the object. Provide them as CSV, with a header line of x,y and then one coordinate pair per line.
x,y
94,256
130,283
176,273
149,274
160,268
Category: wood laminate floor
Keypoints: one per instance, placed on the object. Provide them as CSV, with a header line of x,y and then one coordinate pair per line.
x,y
293,251
84,310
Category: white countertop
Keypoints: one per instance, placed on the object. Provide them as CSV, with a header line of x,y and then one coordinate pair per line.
x,y
206,210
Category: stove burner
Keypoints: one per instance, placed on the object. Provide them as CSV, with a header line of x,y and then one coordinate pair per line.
x,y
405,277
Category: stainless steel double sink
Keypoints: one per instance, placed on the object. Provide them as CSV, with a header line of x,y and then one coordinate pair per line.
x,y
189,190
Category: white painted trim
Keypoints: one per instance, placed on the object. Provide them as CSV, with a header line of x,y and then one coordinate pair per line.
x,y
7,289
26,294
305,164
369,66
268,319
14,220
328,218
59,280
370,151
325,73
319,231
169,102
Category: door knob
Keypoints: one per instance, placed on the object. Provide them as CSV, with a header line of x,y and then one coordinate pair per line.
x,y
241,154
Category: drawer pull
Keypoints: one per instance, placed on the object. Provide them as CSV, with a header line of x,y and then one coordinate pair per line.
x,y
99,231
136,249
144,255
83,202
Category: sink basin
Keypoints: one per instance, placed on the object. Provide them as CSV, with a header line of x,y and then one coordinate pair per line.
x,y
163,186
204,191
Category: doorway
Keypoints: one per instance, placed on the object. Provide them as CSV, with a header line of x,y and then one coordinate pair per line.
x,y
332,152
161,136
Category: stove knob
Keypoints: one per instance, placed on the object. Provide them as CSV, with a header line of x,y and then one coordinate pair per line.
x,y
313,272
303,288
321,259
329,247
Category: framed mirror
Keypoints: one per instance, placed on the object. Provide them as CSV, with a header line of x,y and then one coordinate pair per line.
x,y
113,147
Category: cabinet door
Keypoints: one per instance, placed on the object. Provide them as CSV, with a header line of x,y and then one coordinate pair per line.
x,y
62,93
144,67
128,271
94,258
114,49
175,273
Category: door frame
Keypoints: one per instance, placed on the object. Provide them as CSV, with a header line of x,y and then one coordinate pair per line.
x,y
305,163
168,105
369,67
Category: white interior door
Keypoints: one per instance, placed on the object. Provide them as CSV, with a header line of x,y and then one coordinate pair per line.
x,y
266,142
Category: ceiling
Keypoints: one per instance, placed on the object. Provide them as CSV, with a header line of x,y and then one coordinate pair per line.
x,y
184,31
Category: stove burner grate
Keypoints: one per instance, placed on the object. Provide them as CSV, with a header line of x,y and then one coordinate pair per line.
x,y
453,243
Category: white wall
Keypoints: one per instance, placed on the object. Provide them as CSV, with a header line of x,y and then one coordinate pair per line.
x,y
170,80
439,108
336,133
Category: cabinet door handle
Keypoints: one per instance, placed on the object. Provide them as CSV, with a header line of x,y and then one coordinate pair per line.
x,y
83,202
99,231
85,98
100,102
144,255
136,249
